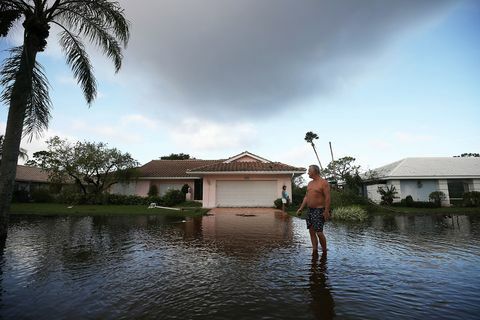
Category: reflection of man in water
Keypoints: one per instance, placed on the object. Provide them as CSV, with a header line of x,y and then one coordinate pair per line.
x,y
317,199
322,304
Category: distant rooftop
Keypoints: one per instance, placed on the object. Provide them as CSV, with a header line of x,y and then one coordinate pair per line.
x,y
34,174
172,168
430,167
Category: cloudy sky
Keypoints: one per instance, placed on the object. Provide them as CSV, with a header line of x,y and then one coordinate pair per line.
x,y
381,80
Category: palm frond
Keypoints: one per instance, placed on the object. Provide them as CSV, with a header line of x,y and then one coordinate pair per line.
x,y
78,60
104,10
95,30
8,15
37,114
38,111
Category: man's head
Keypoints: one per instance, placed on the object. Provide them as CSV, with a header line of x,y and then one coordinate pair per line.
x,y
284,187
313,171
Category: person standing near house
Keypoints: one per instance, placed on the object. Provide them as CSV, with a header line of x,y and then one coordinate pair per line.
x,y
317,199
285,198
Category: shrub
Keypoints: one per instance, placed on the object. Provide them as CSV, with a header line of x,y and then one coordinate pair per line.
x,y
278,203
346,198
173,197
437,197
185,188
131,200
158,200
153,191
351,213
41,196
409,201
21,196
388,194
471,199
298,194
69,196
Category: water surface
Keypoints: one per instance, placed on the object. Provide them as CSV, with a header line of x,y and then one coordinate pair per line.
x,y
239,266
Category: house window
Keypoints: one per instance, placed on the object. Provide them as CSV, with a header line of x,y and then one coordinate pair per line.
x,y
456,189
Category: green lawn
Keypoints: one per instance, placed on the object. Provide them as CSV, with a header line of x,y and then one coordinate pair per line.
x,y
54,209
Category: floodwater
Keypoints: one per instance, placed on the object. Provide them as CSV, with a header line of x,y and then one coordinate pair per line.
x,y
256,265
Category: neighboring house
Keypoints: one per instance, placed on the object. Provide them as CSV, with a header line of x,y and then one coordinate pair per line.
x,y
244,180
166,175
418,177
30,178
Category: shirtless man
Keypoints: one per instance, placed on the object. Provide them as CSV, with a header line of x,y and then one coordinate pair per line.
x,y
317,199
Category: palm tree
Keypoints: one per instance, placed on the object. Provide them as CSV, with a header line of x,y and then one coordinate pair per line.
x,y
309,137
25,87
22,153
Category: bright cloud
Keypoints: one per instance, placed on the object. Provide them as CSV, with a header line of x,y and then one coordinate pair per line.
x,y
208,135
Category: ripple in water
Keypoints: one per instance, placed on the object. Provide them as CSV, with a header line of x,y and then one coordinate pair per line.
x,y
250,265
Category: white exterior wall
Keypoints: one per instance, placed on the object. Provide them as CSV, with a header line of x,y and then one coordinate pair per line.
x,y
442,185
419,192
475,186
127,189
372,193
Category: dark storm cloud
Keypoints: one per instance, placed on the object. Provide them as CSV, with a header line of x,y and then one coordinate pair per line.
x,y
260,55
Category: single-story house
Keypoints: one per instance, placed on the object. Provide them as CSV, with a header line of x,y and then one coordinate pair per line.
x,y
30,178
244,180
418,177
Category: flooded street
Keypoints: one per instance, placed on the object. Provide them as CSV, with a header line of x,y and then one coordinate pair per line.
x,y
239,265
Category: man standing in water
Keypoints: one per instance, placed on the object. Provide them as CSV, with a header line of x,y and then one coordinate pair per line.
x,y
317,199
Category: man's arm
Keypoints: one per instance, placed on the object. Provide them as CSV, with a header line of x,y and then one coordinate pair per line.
x,y
304,202
326,193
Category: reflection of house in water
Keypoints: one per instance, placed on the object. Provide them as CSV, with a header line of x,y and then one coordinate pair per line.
x,y
423,223
237,232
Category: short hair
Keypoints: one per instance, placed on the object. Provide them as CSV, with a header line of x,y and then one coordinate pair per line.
x,y
315,168
284,187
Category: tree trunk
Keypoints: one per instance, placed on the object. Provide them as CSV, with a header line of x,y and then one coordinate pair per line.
x,y
13,133
315,150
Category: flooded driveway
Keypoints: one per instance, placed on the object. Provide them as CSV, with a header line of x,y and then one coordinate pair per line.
x,y
238,264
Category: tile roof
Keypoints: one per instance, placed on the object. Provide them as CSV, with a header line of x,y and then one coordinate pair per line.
x,y
446,167
34,174
247,167
172,168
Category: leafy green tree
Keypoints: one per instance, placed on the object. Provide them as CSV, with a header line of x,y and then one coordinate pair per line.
x,y
92,166
388,194
343,169
299,188
176,156
101,22
309,137
468,155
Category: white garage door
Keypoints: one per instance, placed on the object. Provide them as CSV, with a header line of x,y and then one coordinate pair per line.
x,y
246,193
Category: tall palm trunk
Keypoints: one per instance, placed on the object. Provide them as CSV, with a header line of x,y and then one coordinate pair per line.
x,y
315,150
13,134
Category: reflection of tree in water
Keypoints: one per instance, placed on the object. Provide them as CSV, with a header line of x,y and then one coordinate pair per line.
x,y
322,303
2,248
